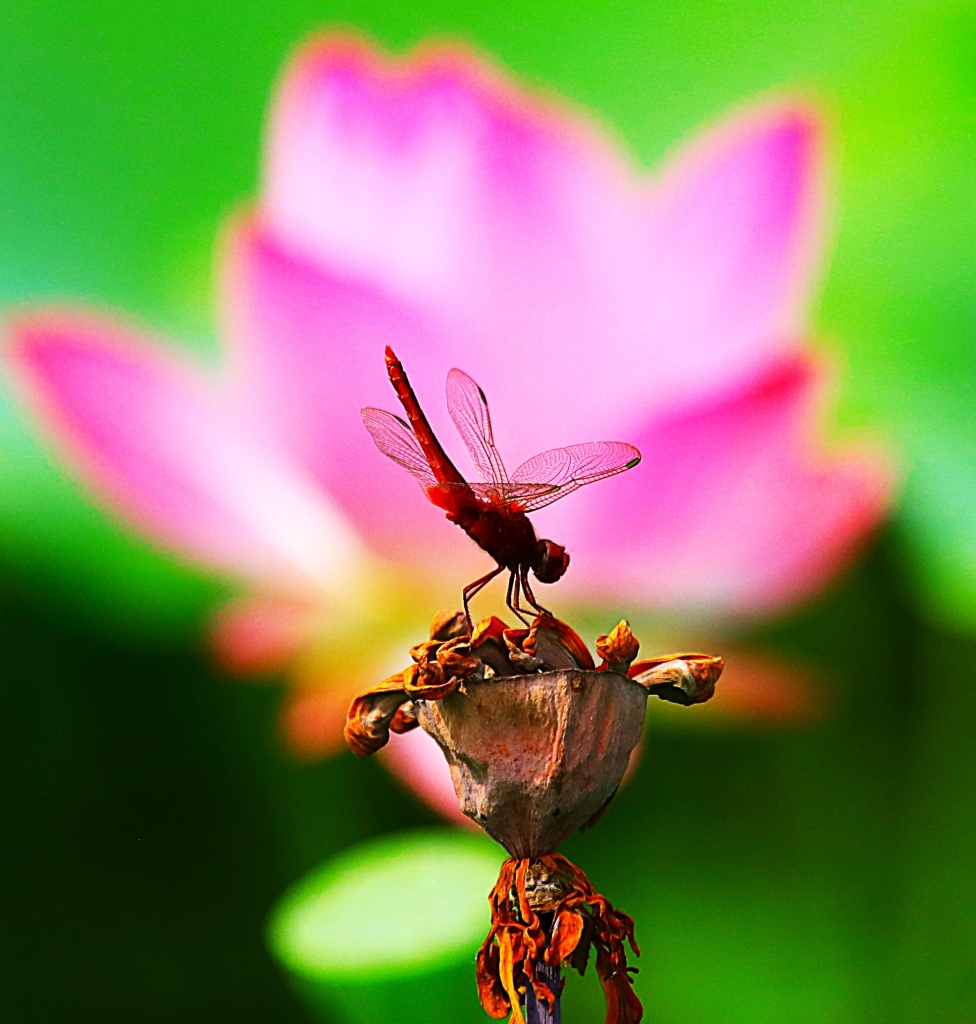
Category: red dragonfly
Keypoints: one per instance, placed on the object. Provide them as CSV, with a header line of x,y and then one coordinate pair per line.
x,y
492,513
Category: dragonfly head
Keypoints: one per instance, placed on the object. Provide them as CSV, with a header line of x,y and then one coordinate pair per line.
x,y
551,561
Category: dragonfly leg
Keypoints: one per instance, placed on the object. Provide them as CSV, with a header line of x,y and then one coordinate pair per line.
x,y
513,597
524,574
473,588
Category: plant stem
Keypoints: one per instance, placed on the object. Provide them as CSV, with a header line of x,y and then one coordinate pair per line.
x,y
536,1011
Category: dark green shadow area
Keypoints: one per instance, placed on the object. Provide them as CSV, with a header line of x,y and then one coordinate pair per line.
x,y
150,820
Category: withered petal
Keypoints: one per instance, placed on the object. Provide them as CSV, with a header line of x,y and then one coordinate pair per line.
x,y
456,659
425,651
548,644
506,973
566,637
580,956
490,628
567,930
623,1006
448,625
490,991
369,717
428,682
405,719
679,678
583,918
618,648
521,658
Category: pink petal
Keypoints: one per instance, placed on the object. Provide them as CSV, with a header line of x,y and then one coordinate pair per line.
x,y
530,236
733,508
734,238
160,446
312,719
262,634
433,179
308,350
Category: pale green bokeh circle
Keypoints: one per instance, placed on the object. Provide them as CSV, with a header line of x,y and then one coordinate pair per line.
x,y
398,906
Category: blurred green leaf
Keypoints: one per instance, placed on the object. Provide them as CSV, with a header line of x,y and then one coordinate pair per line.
x,y
389,929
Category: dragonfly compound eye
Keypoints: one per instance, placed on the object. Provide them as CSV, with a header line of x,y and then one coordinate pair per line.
x,y
551,561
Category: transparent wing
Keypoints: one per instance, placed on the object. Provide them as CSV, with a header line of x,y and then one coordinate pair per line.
x,y
505,491
468,407
396,441
495,492
563,470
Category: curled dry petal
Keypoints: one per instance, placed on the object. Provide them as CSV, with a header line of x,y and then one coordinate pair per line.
x,y
618,648
439,665
455,658
488,640
679,678
490,628
623,1006
491,992
517,654
405,718
549,636
448,625
567,930
371,713
517,942
422,652
428,682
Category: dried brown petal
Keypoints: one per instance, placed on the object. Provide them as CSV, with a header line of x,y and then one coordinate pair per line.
x,y
548,631
448,625
580,956
428,682
425,651
368,721
491,628
512,956
679,678
509,950
623,1006
567,930
618,648
405,719
548,644
456,659
490,990
517,655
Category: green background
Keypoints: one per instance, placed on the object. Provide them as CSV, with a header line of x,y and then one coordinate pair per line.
x,y
150,816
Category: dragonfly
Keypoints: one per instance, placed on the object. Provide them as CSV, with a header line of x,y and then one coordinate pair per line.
x,y
493,512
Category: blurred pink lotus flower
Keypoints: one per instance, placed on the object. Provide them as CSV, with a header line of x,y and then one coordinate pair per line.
x,y
429,204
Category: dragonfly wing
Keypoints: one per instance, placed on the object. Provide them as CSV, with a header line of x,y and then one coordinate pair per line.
x,y
506,491
397,441
564,470
468,407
